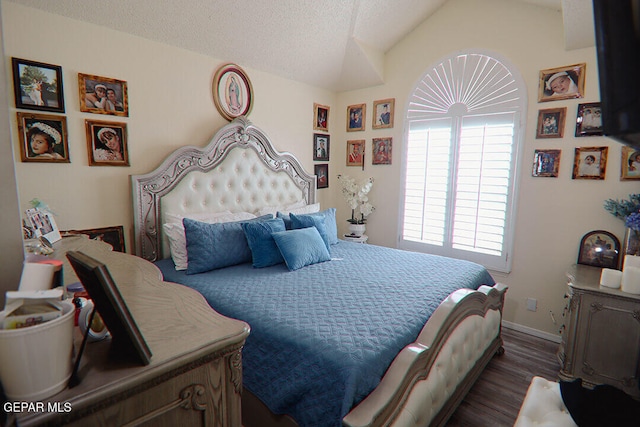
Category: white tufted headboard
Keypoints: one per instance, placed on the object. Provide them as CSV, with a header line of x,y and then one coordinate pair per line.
x,y
239,171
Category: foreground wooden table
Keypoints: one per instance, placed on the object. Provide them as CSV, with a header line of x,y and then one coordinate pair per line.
x,y
195,374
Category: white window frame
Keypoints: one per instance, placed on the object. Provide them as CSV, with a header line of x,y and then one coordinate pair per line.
x,y
518,107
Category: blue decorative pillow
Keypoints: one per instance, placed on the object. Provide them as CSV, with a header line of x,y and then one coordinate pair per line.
x,y
212,246
305,221
286,218
264,251
301,247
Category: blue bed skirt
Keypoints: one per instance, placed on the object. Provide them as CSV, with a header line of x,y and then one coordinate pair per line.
x,y
323,336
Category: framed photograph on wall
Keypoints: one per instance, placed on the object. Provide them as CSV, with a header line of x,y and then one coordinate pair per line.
x,y
107,143
383,113
111,235
599,248
589,119
551,122
103,95
355,152
232,92
381,151
561,83
356,117
43,138
321,147
37,86
322,175
321,117
630,163
546,163
590,163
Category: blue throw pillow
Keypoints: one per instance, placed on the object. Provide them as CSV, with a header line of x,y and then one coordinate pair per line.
x,y
286,218
212,246
301,247
305,221
264,251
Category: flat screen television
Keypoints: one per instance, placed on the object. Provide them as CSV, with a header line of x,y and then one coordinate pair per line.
x,y
617,30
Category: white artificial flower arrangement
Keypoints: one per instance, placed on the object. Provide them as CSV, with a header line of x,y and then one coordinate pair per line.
x,y
356,195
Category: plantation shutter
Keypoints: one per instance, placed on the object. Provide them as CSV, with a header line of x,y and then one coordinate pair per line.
x,y
459,168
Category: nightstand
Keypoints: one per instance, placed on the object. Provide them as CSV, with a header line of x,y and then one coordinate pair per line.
x,y
359,239
601,336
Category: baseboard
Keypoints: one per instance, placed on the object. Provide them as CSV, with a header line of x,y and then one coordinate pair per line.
x,y
531,331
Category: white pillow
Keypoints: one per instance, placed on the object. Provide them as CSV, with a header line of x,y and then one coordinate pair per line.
x,y
174,232
275,209
202,216
307,209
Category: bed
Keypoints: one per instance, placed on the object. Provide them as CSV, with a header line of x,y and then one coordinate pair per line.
x,y
369,336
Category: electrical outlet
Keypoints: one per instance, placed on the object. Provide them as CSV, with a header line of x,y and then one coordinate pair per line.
x,y
532,304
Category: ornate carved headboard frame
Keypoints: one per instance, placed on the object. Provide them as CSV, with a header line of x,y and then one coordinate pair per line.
x,y
239,170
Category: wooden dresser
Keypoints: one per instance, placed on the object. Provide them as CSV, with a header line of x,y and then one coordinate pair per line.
x,y
195,374
601,336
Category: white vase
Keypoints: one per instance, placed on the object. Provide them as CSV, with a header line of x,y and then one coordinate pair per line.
x,y
357,230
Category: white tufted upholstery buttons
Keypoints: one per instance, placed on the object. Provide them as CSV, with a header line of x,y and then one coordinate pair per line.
x,y
543,406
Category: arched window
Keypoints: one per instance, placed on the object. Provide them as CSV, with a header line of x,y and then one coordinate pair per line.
x,y
464,125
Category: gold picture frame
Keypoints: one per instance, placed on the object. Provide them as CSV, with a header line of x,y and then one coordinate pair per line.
x,y
107,143
43,138
590,163
551,122
562,83
321,117
355,152
103,95
356,116
383,112
630,164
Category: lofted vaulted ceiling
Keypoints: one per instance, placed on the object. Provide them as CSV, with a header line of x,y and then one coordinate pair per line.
x,y
333,44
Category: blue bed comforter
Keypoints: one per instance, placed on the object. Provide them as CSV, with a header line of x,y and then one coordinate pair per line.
x,y
323,336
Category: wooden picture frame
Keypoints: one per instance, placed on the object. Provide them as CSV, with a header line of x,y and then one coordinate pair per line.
x,y
321,145
103,95
599,248
383,112
546,163
381,151
232,91
589,119
43,138
630,165
322,175
107,143
111,235
37,86
355,152
590,163
356,115
127,340
561,83
321,117
551,122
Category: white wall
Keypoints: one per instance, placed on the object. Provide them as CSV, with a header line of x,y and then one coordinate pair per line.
x,y
553,213
11,233
171,105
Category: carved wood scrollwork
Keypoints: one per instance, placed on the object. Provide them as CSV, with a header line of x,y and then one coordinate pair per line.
x,y
596,306
192,397
235,365
636,315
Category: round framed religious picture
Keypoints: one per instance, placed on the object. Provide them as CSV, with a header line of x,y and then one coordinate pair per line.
x,y
232,91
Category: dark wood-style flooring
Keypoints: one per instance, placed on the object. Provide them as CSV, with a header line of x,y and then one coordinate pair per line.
x,y
496,397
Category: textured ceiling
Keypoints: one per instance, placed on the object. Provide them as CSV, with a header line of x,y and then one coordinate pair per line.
x,y
333,44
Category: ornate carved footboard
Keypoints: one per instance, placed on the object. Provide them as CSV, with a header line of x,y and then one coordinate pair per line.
x,y
430,377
